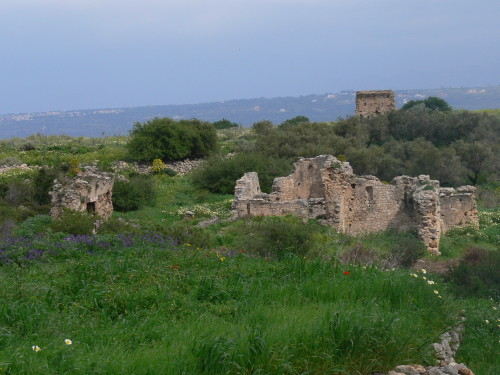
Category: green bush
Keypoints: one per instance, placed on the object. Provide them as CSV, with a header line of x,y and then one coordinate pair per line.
x,y
277,236
407,249
33,226
11,161
477,274
117,226
166,139
224,124
42,185
134,193
74,222
219,175
184,232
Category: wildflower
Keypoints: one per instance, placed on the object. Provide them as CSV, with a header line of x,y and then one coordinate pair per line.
x,y
436,292
423,277
68,342
494,308
423,271
36,348
176,267
347,273
487,321
430,282
414,274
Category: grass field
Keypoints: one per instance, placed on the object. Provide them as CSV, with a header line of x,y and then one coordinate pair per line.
x,y
153,293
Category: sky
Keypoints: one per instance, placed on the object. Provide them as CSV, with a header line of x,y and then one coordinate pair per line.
x,y
82,54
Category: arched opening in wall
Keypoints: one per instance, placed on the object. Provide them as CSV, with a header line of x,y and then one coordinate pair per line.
x,y
91,207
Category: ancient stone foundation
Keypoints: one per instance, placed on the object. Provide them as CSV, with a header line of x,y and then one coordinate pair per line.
x,y
89,191
327,189
372,103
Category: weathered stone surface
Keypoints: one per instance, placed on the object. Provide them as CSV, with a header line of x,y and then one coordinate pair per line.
x,y
326,188
444,352
181,167
89,191
410,369
372,103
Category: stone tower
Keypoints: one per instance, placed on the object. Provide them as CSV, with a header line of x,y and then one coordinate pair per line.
x,y
372,103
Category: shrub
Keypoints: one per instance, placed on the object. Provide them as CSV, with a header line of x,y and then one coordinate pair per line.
x,y
158,166
166,139
11,161
42,184
219,175
477,273
33,226
132,194
277,236
224,124
407,249
116,226
184,232
74,222
27,146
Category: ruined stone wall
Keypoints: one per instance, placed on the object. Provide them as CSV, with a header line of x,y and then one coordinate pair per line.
x,y
458,207
325,188
372,103
87,192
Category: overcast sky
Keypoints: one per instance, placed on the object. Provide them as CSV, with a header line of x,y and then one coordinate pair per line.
x,y
80,54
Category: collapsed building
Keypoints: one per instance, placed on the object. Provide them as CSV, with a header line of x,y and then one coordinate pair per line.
x,y
373,103
325,188
88,191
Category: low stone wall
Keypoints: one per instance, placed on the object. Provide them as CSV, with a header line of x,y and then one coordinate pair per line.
x,y
444,352
181,167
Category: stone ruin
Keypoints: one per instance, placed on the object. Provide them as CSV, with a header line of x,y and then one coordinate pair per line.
x,y
327,189
88,191
372,103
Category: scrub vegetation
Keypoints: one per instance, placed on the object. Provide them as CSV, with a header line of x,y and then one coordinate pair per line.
x,y
152,292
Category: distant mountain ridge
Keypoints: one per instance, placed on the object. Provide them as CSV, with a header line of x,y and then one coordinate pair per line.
x,y
324,107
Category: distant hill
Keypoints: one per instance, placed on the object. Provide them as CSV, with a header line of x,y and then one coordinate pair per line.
x,y
325,107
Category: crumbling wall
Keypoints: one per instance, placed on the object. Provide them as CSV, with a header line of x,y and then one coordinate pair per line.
x,y
327,189
372,103
458,207
89,191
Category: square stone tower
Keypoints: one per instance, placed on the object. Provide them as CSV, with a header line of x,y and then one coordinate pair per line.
x,y
373,103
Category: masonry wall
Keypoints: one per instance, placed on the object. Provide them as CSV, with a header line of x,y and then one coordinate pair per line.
x,y
327,189
458,207
87,192
372,103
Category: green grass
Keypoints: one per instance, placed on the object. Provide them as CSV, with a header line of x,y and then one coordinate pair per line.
x,y
175,196
152,308
149,308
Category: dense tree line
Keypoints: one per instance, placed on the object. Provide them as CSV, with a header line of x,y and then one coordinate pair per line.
x,y
454,147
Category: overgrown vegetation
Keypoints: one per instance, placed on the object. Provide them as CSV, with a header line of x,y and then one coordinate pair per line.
x,y
154,292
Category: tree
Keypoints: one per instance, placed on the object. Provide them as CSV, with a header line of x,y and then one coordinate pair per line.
x,y
166,139
224,124
295,121
432,104
476,157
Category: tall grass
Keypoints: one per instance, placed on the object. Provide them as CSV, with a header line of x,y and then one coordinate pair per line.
x,y
145,305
